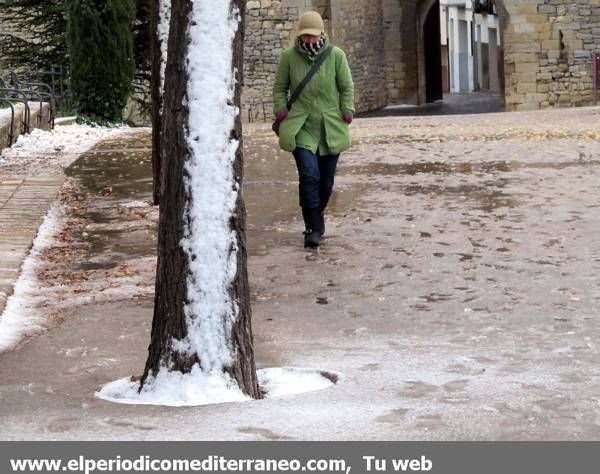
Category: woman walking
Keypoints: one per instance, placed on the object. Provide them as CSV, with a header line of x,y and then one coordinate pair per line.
x,y
313,123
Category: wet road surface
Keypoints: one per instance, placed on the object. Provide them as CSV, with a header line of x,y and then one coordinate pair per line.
x,y
482,102
456,291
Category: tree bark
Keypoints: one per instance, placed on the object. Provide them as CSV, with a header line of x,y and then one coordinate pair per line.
x,y
244,369
173,268
156,99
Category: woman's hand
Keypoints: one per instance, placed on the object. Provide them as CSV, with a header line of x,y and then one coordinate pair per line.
x,y
281,116
347,118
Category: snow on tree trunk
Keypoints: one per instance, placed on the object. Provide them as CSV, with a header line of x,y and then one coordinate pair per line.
x,y
161,18
162,30
201,332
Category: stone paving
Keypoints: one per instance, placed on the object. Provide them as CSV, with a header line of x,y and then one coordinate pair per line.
x,y
453,104
23,203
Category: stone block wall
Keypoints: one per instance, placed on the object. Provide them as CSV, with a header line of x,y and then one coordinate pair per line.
x,y
357,28
39,118
4,29
395,51
401,51
549,48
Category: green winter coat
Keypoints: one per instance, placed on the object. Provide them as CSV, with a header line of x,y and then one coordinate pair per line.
x,y
315,120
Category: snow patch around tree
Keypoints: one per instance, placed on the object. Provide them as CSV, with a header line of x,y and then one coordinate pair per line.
x,y
202,388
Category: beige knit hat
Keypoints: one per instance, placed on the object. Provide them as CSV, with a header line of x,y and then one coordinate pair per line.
x,y
311,23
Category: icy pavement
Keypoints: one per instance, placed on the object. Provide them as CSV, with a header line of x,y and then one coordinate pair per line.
x,y
456,291
481,102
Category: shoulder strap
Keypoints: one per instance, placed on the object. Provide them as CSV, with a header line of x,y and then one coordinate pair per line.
x,y
313,70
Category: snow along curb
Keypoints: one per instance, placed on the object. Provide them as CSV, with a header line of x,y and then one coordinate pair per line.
x,y
61,146
48,150
21,316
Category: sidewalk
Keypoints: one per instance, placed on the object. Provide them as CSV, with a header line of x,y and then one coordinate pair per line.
x,y
23,203
24,200
31,176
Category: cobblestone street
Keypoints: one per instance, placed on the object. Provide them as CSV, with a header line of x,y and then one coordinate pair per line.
x,y
456,292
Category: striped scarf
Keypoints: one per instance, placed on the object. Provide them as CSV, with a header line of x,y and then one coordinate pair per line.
x,y
312,49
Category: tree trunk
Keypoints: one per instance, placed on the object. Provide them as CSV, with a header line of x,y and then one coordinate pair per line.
x,y
178,275
156,86
244,368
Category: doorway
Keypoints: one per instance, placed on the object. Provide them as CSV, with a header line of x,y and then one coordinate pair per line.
x,y
432,48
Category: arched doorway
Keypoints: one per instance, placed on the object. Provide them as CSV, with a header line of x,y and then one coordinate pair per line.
x,y
432,49
430,85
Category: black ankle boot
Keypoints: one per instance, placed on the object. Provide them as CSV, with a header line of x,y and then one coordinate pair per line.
x,y
312,221
322,222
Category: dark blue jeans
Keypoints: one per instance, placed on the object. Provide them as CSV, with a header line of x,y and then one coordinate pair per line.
x,y
317,174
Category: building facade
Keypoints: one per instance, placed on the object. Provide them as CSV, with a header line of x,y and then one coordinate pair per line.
x,y
470,36
537,53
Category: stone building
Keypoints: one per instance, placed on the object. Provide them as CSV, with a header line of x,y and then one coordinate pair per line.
x,y
470,32
549,52
546,48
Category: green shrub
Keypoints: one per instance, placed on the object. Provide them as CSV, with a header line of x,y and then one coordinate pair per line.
x,y
99,38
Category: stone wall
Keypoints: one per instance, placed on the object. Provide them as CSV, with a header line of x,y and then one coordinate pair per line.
x,y
4,29
549,49
380,38
357,28
8,28
399,52
39,118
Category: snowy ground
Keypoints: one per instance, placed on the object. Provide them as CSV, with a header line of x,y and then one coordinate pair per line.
x,y
49,152
456,291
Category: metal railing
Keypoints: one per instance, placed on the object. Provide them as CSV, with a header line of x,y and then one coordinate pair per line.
x,y
14,90
11,131
57,77
40,89
25,101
